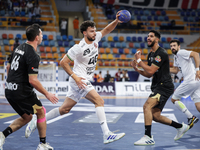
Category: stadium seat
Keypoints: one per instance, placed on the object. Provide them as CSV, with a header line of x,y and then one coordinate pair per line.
x,y
5,42
133,50
126,51
48,49
158,13
120,63
166,45
63,54
145,51
23,14
103,39
146,12
129,56
121,38
46,43
49,56
166,18
115,50
66,43
41,49
169,52
181,40
144,18
23,36
6,48
0,48
50,37
134,39
130,45
4,36
137,45
123,44
149,18
10,36
106,63
54,49
163,13
105,44
145,39
100,63
44,37
141,12
101,50
19,36
58,37
122,56
110,38
99,56
64,37
127,63
52,43
116,38
16,13
143,57
112,63
104,56
55,56
60,43
100,44
112,44
128,39
62,49
66,49
169,39
163,39
121,51
107,50
161,44
11,42
110,56
142,45
70,38
118,44
153,12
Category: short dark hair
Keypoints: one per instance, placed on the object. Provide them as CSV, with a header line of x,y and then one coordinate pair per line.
x,y
87,24
157,34
175,40
32,31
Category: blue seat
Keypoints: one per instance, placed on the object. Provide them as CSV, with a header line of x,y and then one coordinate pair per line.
x,y
139,39
71,43
141,12
182,13
166,45
197,19
66,49
5,42
52,43
146,12
44,37
20,41
105,44
193,13
132,17
109,16
139,18
136,12
16,13
112,44
118,44
58,37
128,39
23,13
145,39
60,43
100,44
116,38
121,50
46,43
66,43
19,36
166,18
123,44
117,55
149,28
163,39
149,18
129,56
2,12
185,18
160,18
133,50
103,39
142,45
70,38
144,18
161,44
191,19
155,18
134,39
163,13
153,12
3,19
187,13
181,40
64,37
137,45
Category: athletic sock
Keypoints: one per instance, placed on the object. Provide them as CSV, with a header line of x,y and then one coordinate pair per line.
x,y
7,131
176,124
102,120
183,108
43,140
53,113
148,130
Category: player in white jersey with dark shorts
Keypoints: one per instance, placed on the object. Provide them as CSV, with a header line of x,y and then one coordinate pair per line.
x,y
85,56
191,75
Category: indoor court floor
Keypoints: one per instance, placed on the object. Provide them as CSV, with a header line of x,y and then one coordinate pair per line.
x,y
80,130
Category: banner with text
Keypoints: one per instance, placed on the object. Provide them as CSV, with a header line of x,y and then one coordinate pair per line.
x,y
104,88
133,88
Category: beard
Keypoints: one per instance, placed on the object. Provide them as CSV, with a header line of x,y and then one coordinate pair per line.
x,y
90,39
174,52
152,44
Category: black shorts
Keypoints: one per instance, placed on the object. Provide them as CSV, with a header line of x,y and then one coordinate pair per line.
x,y
26,105
162,93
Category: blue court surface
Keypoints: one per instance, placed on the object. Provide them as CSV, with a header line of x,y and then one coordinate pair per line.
x,y
80,130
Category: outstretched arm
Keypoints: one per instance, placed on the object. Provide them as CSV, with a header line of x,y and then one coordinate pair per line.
x,y
195,55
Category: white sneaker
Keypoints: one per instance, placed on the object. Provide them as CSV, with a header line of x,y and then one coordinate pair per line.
x,y
32,125
145,140
181,131
111,137
45,146
2,140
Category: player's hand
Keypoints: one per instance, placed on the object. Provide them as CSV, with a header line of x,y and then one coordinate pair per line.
x,y
197,75
134,65
80,83
51,97
137,55
117,17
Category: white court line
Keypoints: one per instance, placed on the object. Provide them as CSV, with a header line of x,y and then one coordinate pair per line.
x,y
48,122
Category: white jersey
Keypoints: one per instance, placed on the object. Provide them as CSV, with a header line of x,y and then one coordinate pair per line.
x,y
183,61
85,57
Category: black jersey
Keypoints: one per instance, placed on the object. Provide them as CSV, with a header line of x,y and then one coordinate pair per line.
x,y
23,62
162,76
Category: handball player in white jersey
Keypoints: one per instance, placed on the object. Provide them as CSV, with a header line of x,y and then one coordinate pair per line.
x,y
191,75
85,56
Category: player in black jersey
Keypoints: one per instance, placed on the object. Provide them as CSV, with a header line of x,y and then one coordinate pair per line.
x,y
22,78
162,88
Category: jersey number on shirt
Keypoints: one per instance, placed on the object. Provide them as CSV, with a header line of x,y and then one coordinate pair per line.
x,y
15,63
93,60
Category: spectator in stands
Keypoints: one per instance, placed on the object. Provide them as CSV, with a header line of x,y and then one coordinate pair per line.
x,y
23,6
29,5
126,75
99,77
63,26
96,3
117,75
76,27
37,11
16,44
109,10
122,76
95,77
15,5
32,15
107,77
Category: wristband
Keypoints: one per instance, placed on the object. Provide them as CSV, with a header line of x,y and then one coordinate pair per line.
x,y
139,60
71,74
197,69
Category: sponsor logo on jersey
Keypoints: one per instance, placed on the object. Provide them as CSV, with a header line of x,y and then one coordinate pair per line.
x,y
87,51
95,45
19,51
11,86
83,45
34,69
158,59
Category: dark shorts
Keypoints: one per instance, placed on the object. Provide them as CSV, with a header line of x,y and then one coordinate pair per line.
x,y
26,105
162,93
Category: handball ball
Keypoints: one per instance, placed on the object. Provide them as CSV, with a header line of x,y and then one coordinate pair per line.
x,y
125,16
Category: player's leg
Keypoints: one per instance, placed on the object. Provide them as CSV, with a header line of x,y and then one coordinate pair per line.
x,y
96,99
147,139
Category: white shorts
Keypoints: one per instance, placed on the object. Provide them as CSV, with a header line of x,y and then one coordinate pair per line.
x,y
75,93
191,88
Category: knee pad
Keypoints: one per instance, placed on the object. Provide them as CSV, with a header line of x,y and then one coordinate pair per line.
x,y
42,119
